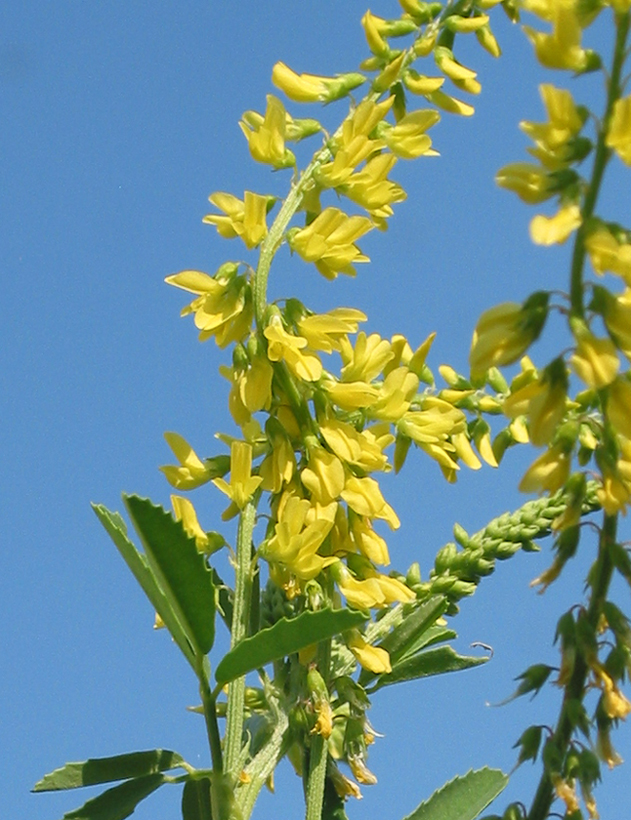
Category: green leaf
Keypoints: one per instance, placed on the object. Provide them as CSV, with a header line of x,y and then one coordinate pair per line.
x,y
108,769
435,661
137,563
196,800
283,638
463,798
180,569
412,633
119,802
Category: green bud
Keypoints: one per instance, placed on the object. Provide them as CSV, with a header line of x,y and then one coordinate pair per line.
x,y
533,679
445,557
461,535
515,811
413,575
497,381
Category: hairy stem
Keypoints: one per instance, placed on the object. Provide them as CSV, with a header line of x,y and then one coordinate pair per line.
x,y
240,622
575,689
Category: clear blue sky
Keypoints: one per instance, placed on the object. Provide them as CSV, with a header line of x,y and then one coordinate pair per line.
x,y
119,119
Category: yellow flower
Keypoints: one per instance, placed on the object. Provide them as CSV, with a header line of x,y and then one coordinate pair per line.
x,y
543,401
376,43
366,359
407,139
354,145
552,137
351,395
607,254
325,330
595,361
450,66
361,594
185,512
549,472
363,449
368,542
420,84
245,218
266,139
562,48
373,658
313,88
619,406
566,792
619,131
364,497
617,316
329,241
504,332
242,483
450,104
431,427
396,394
291,349
192,472
324,477
296,541
278,467
223,307
556,229
530,182
371,189
605,749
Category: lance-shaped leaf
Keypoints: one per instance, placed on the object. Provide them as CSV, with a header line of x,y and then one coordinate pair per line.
x,y
119,802
109,769
463,798
180,568
196,800
283,638
412,633
434,661
143,573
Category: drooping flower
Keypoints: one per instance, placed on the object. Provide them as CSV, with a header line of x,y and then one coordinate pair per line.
x,y
595,360
266,138
324,476
329,242
619,131
242,483
505,332
364,497
530,182
555,230
606,253
549,472
192,471
311,87
366,359
283,346
244,218
325,331
223,307
373,658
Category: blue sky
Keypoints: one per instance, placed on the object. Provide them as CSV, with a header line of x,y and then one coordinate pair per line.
x,y
119,119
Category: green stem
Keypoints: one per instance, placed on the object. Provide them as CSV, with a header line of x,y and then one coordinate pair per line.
x,y
240,622
575,689
601,158
318,756
210,717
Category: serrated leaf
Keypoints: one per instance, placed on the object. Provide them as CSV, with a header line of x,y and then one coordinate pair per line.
x,y
283,638
196,800
180,569
463,798
119,802
108,769
137,563
435,661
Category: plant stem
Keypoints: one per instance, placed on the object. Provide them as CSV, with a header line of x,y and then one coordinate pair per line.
x,y
210,716
601,158
240,622
575,689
